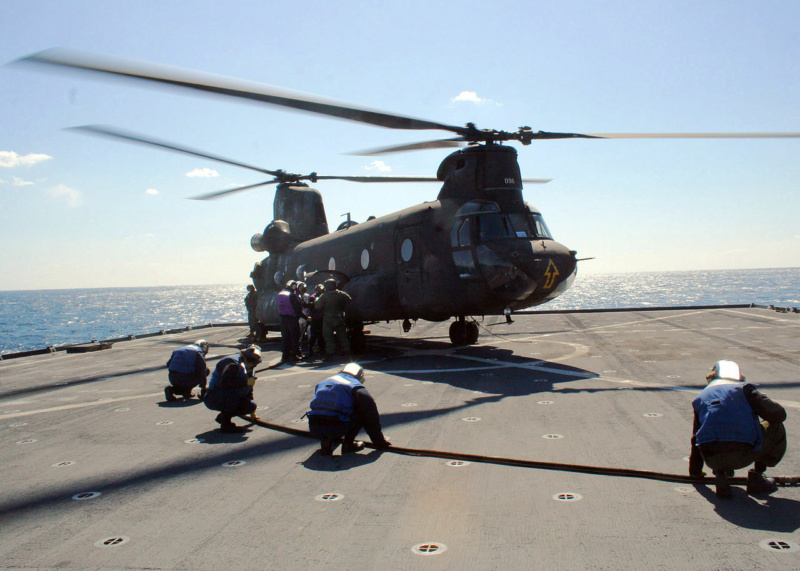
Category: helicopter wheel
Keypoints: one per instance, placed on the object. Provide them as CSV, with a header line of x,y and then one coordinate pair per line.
x,y
358,341
458,333
472,332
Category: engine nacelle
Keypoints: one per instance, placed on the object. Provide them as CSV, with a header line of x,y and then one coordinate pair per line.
x,y
276,238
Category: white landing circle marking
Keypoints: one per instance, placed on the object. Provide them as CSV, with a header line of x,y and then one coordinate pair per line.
x,y
164,423
17,424
429,548
63,464
303,386
610,371
652,415
195,441
471,419
409,404
86,496
112,541
567,497
234,464
262,408
457,463
329,497
684,489
121,409
779,545
552,436
27,441
545,402
673,376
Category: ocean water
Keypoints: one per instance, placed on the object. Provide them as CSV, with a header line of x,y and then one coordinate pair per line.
x,y
42,318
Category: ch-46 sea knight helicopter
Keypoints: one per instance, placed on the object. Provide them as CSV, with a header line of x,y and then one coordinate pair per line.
x,y
478,249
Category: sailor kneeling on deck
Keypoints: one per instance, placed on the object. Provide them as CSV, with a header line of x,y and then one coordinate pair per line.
x,y
187,370
727,434
340,409
230,390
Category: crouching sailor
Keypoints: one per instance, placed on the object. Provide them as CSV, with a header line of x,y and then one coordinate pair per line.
x,y
187,370
340,409
727,434
230,390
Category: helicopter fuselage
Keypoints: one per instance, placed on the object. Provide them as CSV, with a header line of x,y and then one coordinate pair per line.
x,y
478,249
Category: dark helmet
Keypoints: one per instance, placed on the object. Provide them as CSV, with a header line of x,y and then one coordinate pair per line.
x,y
203,344
251,288
330,284
252,354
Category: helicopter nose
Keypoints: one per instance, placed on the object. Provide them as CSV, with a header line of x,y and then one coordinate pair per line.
x,y
551,266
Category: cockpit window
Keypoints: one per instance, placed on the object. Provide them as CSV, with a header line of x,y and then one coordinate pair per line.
x,y
492,227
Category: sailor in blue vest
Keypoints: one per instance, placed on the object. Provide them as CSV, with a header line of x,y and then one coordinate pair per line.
x,y
230,390
341,408
290,309
727,434
187,370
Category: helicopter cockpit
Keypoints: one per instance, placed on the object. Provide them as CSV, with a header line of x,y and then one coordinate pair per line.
x,y
490,244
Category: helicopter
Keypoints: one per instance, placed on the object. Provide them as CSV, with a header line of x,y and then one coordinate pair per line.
x,y
478,249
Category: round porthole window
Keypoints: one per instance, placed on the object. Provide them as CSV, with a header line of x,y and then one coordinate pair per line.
x,y
407,249
364,259
332,264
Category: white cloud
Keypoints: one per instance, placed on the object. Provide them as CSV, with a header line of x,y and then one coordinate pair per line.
x,y
204,173
468,96
69,195
379,166
20,182
11,159
151,191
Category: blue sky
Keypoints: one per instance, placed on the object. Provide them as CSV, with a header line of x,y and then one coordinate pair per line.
x,y
97,213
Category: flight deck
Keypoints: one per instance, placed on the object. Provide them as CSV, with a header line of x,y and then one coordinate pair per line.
x,y
99,471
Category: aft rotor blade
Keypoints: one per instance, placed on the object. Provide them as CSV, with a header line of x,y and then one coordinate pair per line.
x,y
128,136
231,87
221,193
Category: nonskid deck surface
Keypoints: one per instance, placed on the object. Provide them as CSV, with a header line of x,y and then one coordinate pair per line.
x,y
99,471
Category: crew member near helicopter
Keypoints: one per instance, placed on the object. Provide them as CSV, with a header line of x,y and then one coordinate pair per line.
x,y
187,370
315,317
332,303
341,407
289,309
230,390
727,434
250,302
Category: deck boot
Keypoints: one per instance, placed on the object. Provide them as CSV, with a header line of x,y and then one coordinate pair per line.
x,y
723,485
169,394
758,484
353,446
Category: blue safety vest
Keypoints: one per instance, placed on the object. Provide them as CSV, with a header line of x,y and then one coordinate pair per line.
x,y
333,397
726,416
184,360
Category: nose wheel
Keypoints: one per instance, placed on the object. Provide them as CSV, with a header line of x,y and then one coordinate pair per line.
x,y
463,332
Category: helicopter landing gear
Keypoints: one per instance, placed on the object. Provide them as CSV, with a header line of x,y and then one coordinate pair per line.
x,y
358,341
463,332
406,325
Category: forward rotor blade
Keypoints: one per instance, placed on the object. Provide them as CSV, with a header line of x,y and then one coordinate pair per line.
x,y
231,87
440,144
380,178
695,135
221,193
128,136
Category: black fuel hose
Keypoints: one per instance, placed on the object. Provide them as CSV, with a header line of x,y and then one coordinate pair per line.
x,y
598,470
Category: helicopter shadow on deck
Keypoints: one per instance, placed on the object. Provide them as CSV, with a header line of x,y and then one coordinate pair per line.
x,y
777,514
494,372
